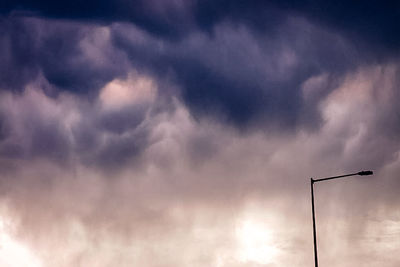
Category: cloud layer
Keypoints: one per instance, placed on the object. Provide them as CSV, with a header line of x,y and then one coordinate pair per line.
x,y
184,133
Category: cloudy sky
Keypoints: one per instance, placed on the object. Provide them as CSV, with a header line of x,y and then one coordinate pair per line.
x,y
183,133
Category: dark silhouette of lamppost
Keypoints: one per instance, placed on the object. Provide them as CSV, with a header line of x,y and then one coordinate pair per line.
x,y
312,181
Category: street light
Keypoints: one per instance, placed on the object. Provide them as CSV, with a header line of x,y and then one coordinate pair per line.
x,y
312,181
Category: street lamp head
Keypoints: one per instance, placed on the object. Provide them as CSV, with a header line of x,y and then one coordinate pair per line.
x,y
363,173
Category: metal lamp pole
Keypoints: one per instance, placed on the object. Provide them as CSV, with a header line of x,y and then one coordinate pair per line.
x,y
312,181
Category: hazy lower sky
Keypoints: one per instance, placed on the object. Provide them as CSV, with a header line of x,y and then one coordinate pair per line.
x,y
182,133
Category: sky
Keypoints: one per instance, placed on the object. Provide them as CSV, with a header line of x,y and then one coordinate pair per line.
x,y
183,133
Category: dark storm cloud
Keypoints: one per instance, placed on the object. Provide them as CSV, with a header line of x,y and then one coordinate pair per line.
x,y
165,18
218,73
17,54
245,77
64,64
58,50
270,75
371,20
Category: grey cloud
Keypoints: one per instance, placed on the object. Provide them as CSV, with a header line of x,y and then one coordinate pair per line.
x,y
181,204
32,131
64,128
